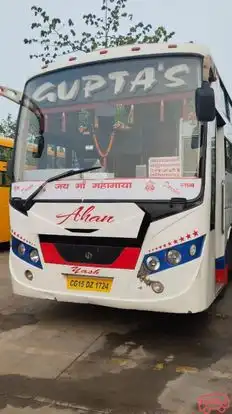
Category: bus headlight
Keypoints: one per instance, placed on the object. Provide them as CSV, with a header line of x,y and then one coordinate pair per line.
x,y
193,250
34,256
21,249
173,257
152,263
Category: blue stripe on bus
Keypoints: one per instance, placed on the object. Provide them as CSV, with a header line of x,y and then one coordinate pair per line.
x,y
182,248
220,263
221,270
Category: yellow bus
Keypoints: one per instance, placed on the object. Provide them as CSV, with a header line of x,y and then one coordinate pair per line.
x,y
55,157
6,148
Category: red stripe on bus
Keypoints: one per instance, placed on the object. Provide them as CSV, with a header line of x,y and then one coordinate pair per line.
x,y
126,260
222,275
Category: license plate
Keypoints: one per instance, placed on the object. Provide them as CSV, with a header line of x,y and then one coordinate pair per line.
x,y
91,284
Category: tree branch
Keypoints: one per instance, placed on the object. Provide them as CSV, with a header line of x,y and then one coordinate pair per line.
x,y
104,31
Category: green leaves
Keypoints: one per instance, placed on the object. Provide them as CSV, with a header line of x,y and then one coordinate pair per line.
x,y
56,37
70,23
8,127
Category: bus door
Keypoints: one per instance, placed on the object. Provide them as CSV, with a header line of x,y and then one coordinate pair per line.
x,y
228,192
219,221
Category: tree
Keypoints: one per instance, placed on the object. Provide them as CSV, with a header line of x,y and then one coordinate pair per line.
x,y
56,37
8,127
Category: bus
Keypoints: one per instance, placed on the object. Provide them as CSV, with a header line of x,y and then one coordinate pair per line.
x,y
138,214
6,147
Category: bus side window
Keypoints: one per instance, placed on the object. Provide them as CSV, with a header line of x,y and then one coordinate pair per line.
x,y
4,179
5,153
228,156
7,181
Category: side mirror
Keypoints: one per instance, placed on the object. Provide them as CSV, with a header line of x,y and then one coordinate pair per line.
x,y
39,143
10,169
205,103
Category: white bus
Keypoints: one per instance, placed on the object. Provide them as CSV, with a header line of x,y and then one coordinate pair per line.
x,y
137,211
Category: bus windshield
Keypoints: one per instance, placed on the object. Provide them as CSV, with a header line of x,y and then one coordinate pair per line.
x,y
135,117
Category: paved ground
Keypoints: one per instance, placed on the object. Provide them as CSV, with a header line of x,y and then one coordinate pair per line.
x,y
63,359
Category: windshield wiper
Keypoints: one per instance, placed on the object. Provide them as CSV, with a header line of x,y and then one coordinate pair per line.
x,y
179,202
26,205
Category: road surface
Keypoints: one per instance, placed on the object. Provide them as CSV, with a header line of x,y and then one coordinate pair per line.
x,y
64,358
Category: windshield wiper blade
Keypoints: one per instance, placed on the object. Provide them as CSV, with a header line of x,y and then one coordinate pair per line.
x,y
27,203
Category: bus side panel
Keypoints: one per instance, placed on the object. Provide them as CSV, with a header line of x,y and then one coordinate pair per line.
x,y
4,215
228,190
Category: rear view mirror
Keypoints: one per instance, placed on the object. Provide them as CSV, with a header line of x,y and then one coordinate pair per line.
x,y
205,103
10,169
39,144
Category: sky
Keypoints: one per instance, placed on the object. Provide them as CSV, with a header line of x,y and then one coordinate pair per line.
x,y
201,21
